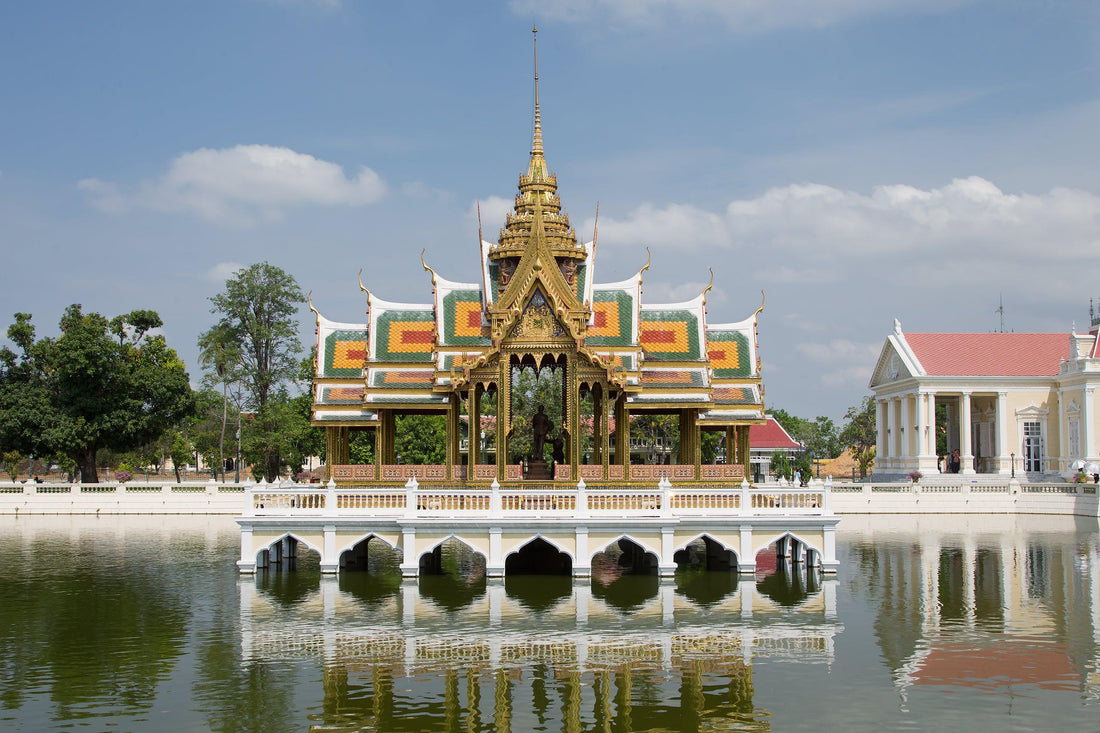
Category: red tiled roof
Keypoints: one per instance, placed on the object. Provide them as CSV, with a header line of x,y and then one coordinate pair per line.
x,y
990,354
770,435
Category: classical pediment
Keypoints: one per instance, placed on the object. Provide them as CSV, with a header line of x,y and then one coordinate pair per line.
x,y
891,366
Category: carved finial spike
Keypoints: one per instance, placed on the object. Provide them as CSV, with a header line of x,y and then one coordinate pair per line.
x,y
309,300
709,285
536,145
648,259
760,309
362,287
425,264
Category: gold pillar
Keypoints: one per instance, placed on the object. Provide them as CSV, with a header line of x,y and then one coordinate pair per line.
x,y
336,448
454,434
473,430
731,445
573,410
745,452
622,433
504,412
386,437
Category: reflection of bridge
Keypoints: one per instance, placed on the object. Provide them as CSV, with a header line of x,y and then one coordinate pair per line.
x,y
495,661
495,523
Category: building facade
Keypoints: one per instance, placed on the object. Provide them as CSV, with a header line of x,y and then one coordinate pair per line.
x,y
1023,404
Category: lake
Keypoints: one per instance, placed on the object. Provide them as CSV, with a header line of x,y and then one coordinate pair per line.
x,y
933,623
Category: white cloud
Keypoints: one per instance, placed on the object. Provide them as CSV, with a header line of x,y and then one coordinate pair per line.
x,y
223,271
745,16
810,225
241,184
840,362
494,209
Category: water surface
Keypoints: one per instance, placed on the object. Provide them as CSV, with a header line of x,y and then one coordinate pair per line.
x,y
933,623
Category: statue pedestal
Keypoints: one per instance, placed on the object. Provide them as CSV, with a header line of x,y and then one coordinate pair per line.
x,y
538,471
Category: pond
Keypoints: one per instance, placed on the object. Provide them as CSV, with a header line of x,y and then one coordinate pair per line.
x,y
933,623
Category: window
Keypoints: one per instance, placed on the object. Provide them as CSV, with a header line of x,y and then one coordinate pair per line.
x,y
1033,446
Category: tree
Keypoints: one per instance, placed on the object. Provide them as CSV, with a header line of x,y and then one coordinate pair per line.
x,y
256,338
860,435
84,391
11,460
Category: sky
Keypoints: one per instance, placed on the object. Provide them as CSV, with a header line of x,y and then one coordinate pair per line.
x,y
856,160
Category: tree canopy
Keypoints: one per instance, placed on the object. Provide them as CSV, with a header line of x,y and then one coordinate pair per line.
x,y
860,434
255,343
100,384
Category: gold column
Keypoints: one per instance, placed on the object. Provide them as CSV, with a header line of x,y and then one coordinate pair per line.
x,y
746,457
473,430
573,409
386,437
622,433
504,413
454,434
731,445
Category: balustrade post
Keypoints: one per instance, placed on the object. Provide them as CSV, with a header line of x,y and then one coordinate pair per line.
x,y
827,496
495,504
249,502
666,496
743,497
410,496
330,497
582,499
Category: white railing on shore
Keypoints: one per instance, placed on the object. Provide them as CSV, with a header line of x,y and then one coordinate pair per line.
x,y
985,495
412,501
124,487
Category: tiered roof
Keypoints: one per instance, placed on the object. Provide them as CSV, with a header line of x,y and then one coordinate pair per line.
x,y
415,355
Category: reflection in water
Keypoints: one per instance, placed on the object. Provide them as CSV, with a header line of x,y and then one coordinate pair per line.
x,y
790,583
627,592
706,588
127,624
538,593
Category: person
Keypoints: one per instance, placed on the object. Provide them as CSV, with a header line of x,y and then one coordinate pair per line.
x,y
558,444
540,427
956,462
798,478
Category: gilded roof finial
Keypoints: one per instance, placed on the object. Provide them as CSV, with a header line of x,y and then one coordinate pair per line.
x,y
362,287
709,285
536,145
426,265
309,300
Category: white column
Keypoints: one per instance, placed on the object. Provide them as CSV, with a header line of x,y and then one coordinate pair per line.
x,y
905,432
1004,466
410,565
891,434
1088,426
880,430
330,561
923,459
582,567
967,457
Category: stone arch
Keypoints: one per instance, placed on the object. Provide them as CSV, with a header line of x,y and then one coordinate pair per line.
x,y
718,555
630,557
429,560
646,548
539,556
814,554
284,547
353,555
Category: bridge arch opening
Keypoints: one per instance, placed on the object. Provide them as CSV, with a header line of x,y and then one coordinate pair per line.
x,y
371,554
452,574
788,571
621,557
705,554
538,557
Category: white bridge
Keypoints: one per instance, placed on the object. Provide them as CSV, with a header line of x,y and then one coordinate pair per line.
x,y
736,523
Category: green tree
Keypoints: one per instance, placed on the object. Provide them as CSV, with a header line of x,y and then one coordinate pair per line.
x,y
84,391
859,434
781,464
420,439
257,327
11,460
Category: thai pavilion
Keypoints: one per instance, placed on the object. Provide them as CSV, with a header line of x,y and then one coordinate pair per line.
x,y
537,307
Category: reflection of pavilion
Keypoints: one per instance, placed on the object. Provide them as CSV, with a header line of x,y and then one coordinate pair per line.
x,y
985,601
494,659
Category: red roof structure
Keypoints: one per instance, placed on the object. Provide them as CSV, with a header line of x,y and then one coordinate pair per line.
x,y
771,436
989,354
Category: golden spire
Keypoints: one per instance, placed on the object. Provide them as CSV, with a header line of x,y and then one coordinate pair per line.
x,y
536,144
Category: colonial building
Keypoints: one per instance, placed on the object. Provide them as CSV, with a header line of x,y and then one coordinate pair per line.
x,y
537,306
1022,404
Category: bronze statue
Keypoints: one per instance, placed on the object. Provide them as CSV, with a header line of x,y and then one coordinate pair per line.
x,y
558,444
541,426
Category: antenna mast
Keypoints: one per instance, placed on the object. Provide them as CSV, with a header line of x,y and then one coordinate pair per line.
x,y
1001,311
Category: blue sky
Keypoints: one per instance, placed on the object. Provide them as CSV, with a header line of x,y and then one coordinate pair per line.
x,y
858,160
